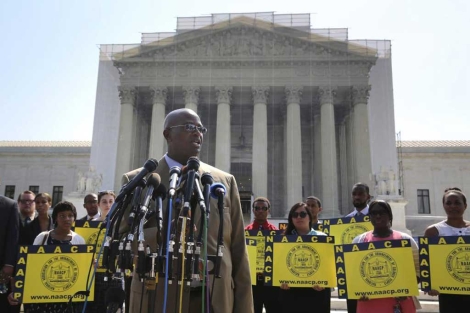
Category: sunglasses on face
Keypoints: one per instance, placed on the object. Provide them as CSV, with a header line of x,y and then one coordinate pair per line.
x,y
302,214
259,208
191,128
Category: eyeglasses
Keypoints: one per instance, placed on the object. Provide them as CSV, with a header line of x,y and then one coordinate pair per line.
x,y
191,128
258,208
91,201
302,214
27,201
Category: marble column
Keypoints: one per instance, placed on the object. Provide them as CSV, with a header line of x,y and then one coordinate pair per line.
x,y
361,136
293,146
125,135
222,137
191,97
350,154
159,98
328,152
259,172
343,165
317,180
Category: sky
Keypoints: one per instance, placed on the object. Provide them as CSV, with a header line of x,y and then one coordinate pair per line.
x,y
50,56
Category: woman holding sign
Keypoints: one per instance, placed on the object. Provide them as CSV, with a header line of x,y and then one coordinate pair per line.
x,y
63,217
381,218
303,300
455,204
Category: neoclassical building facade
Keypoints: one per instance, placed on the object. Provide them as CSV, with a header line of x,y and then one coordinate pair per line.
x,y
291,111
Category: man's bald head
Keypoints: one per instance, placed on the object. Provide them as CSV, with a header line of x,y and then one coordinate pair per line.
x,y
177,117
182,143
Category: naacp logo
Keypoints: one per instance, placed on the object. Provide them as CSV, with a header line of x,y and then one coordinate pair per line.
x,y
59,273
458,264
378,269
303,260
352,232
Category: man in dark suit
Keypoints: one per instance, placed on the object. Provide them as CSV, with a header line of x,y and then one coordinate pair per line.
x,y
183,132
9,221
90,203
360,197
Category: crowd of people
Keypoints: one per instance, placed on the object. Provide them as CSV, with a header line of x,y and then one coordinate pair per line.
x,y
301,218
27,222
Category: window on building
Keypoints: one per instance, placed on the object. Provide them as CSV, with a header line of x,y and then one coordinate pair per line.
x,y
57,192
34,189
423,201
10,191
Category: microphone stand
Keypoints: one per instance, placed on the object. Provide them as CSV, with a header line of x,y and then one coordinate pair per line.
x,y
206,180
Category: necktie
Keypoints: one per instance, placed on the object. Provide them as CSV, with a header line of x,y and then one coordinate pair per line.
x,y
359,214
27,220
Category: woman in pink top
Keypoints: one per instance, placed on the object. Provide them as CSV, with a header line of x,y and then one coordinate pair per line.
x,y
381,218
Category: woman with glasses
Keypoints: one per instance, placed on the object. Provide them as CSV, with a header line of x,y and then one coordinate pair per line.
x,y
455,204
381,218
105,201
63,217
305,299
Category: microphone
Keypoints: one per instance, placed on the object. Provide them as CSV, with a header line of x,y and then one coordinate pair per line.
x,y
193,166
152,183
136,202
217,189
207,180
149,166
114,299
175,172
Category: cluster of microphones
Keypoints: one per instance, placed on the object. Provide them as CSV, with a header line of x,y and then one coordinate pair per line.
x,y
180,244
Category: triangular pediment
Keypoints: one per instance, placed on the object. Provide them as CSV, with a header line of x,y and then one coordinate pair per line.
x,y
245,38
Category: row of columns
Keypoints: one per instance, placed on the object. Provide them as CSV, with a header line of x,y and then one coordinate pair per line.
x,y
325,141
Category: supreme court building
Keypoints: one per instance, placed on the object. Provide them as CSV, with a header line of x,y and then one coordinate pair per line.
x,y
292,111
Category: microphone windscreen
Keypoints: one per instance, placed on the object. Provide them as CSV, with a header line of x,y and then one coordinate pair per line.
x,y
154,180
151,165
175,170
216,189
193,163
207,179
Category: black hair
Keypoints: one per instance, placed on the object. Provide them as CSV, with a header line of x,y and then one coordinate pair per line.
x,y
384,205
316,199
361,185
261,199
455,190
62,207
290,224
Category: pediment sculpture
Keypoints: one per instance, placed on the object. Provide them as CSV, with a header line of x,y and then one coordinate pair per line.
x,y
242,42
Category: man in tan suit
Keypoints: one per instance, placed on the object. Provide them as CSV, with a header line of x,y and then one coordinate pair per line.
x,y
183,132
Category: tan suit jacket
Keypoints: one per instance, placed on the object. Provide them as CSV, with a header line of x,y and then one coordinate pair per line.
x,y
232,292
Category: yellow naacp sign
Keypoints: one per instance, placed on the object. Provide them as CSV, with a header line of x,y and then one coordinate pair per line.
x,y
252,251
345,229
445,264
52,273
256,239
378,269
90,230
299,261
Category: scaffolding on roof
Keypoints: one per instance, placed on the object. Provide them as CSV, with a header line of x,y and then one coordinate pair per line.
x,y
294,25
